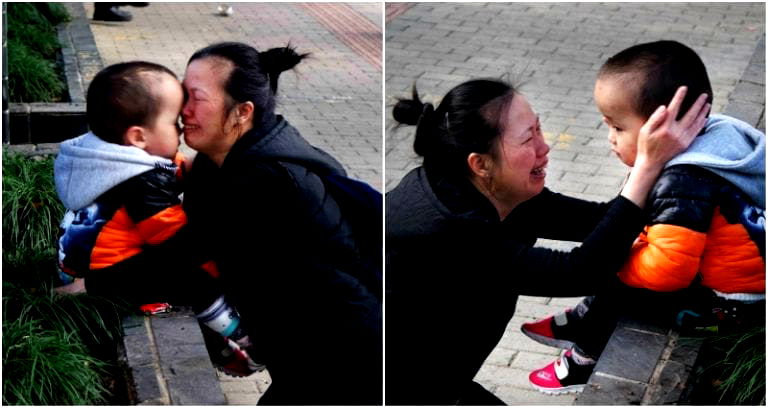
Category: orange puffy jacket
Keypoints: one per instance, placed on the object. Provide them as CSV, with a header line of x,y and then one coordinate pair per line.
x,y
697,229
143,210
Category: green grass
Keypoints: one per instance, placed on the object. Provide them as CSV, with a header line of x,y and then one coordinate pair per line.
x,y
31,78
46,360
32,51
31,208
744,367
54,347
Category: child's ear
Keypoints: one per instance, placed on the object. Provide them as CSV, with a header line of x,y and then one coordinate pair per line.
x,y
135,136
479,164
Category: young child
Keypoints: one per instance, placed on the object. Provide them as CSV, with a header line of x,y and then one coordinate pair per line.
x,y
702,253
121,188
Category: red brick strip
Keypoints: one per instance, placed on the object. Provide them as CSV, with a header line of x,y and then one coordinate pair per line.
x,y
395,9
350,27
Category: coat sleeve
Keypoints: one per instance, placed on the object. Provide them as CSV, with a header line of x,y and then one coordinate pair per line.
x,y
541,271
562,217
666,256
152,202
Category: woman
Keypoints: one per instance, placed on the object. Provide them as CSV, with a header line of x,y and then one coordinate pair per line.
x,y
287,257
461,231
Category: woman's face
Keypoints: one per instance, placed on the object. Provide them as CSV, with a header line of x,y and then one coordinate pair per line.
x,y
519,169
204,114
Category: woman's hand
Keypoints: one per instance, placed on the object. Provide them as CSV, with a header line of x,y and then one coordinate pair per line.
x,y
661,138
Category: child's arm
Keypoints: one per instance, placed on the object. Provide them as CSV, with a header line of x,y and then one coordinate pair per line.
x,y
152,202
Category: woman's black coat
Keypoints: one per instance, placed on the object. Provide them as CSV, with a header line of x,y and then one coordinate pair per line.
x,y
454,272
287,262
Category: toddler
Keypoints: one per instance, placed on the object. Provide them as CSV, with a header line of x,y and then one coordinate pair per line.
x,y
120,184
701,258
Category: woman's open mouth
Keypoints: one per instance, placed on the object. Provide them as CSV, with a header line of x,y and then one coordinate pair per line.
x,y
190,128
539,171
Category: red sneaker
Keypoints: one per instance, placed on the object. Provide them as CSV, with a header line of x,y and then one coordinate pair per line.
x,y
563,375
236,362
549,330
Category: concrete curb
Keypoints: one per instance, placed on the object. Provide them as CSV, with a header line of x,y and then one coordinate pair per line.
x,y
168,361
747,101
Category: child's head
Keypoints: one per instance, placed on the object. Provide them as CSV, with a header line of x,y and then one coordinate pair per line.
x,y
636,81
136,103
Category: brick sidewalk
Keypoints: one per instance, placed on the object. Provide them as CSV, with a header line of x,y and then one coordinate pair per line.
x,y
334,98
555,50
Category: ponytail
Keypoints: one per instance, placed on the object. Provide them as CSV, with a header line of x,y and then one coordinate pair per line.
x,y
277,60
414,112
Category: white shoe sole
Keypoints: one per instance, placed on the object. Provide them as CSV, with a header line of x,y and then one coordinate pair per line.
x,y
571,389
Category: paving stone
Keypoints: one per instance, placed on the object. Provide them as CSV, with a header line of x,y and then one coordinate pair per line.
x,y
529,396
631,354
146,385
686,350
500,357
670,385
610,391
525,360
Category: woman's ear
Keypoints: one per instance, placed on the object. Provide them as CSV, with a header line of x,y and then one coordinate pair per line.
x,y
480,164
135,136
245,112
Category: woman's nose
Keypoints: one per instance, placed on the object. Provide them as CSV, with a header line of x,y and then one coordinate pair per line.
x,y
186,110
544,149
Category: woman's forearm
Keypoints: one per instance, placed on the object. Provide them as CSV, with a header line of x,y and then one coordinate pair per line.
x,y
640,181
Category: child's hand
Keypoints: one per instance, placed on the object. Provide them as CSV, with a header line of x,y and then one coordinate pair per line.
x,y
662,137
75,288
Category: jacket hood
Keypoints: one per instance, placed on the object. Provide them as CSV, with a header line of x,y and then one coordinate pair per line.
x,y
87,167
284,143
733,150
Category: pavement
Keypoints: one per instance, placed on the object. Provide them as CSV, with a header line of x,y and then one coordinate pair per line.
x,y
554,50
333,98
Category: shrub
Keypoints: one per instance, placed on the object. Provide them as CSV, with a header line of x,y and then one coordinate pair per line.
x,y
744,367
31,208
46,360
54,347
31,78
32,51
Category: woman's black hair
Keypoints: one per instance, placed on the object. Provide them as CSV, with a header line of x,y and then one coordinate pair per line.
x,y
254,75
468,120
121,96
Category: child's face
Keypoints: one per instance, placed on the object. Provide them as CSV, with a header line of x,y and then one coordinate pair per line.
x,y
162,136
614,100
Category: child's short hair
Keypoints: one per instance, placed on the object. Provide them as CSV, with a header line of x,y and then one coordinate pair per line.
x,y
120,96
662,66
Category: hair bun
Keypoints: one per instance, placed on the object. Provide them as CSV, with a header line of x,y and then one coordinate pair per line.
x,y
410,111
277,60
